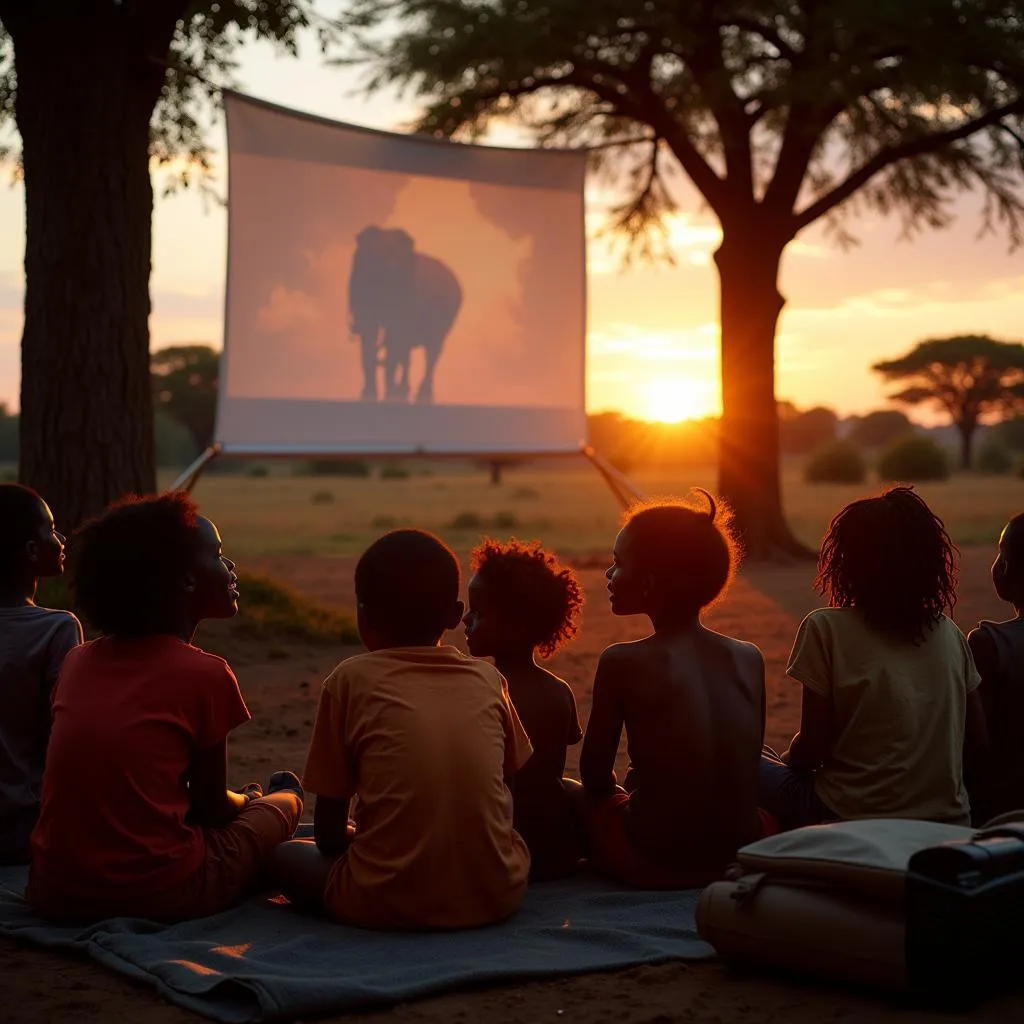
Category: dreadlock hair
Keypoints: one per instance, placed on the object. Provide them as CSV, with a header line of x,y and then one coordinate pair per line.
x,y
19,523
129,561
530,584
691,553
891,558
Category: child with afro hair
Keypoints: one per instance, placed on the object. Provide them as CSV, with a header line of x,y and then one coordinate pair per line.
x,y
691,702
523,605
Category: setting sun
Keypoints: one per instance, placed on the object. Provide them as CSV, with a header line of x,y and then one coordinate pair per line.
x,y
674,399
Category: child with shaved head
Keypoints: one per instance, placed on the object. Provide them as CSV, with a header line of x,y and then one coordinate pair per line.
x,y
692,704
425,739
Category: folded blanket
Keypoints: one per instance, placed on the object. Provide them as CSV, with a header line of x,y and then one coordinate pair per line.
x,y
262,961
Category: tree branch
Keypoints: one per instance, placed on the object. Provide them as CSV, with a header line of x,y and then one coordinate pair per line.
x,y
769,33
893,154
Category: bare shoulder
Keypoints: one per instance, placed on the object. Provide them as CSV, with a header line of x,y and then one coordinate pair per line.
x,y
745,653
624,655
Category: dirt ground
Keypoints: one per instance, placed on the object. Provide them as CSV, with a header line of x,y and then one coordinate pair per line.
x,y
765,606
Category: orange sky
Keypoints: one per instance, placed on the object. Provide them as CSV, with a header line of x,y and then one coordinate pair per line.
x,y
653,335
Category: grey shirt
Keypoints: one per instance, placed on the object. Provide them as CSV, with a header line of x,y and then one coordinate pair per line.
x,y
33,644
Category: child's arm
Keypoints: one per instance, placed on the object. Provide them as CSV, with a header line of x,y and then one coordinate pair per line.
x,y
328,772
330,826
211,803
811,744
980,702
604,730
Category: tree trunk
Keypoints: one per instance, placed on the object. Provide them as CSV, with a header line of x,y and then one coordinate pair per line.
x,y
749,465
86,92
966,444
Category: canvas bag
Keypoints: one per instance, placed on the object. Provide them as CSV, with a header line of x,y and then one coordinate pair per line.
x,y
827,900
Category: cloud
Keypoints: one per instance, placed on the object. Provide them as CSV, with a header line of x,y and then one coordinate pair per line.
x,y
287,309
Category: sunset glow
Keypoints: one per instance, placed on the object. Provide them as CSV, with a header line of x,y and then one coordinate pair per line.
x,y
674,399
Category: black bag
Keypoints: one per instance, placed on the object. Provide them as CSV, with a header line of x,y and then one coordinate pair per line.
x,y
965,917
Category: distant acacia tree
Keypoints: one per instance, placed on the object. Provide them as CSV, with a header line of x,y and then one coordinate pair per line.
x,y
965,377
803,432
780,112
96,105
185,381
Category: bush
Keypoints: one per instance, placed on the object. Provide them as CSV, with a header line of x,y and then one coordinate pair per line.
x,y
836,462
467,521
333,467
994,458
257,472
173,444
506,521
914,458
384,522
323,498
268,610
879,428
394,473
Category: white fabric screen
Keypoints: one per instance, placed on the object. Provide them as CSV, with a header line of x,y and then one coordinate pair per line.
x,y
394,294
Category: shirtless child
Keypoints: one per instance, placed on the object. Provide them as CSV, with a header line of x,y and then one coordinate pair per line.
x,y
692,702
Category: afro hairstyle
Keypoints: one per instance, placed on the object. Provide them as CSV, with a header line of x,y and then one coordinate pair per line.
x,y
128,564
530,584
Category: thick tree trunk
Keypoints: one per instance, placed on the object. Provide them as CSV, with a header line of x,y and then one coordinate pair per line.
x,y
84,101
749,466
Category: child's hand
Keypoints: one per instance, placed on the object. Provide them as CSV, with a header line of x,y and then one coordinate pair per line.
x,y
283,782
252,791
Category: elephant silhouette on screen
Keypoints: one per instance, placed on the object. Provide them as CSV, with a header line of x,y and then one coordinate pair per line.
x,y
399,299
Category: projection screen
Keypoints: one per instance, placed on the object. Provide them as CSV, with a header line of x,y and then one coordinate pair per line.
x,y
396,294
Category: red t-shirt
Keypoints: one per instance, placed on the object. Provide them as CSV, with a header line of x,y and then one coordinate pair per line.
x,y
128,715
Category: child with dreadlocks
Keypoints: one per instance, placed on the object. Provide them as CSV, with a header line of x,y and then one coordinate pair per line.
x,y
996,780
692,704
522,604
889,684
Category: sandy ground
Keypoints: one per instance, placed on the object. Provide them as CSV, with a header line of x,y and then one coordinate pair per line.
x,y
765,606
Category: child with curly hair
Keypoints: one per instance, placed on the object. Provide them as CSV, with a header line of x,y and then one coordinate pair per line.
x,y
524,605
889,684
692,704
136,817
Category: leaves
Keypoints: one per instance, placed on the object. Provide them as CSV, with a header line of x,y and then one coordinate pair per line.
x,y
201,60
780,112
966,376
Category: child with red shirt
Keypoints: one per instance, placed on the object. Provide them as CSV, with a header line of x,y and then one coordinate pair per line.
x,y
136,818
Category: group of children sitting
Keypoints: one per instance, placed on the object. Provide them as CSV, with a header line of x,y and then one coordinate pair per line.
x,y
439,776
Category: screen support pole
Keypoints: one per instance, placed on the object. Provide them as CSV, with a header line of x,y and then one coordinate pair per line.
x,y
188,479
625,493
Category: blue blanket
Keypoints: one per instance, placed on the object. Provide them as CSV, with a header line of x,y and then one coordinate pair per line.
x,y
262,961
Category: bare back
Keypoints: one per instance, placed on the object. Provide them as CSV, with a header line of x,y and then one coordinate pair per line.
x,y
693,708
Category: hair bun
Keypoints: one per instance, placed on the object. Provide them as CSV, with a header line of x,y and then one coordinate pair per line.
x,y
712,507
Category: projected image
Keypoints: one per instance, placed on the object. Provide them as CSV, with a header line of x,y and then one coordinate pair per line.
x,y
390,294
399,299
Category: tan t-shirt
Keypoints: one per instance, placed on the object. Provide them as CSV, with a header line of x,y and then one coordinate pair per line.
x,y
898,713
425,738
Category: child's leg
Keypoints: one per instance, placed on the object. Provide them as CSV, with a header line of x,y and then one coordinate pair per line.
x,y
789,795
237,855
301,872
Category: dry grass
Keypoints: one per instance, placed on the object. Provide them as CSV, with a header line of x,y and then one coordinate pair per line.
x,y
565,504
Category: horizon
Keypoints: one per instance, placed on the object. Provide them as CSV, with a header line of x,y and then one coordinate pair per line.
x,y
652,346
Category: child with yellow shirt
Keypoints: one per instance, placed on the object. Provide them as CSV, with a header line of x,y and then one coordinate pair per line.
x,y
426,739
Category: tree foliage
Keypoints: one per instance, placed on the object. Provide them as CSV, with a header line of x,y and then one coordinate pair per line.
x,y
204,37
774,107
965,377
185,381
